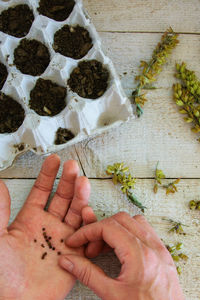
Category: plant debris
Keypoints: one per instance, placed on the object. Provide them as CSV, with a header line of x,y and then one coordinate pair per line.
x,y
58,10
31,57
177,226
150,70
194,205
17,20
47,98
63,135
122,176
170,187
11,114
89,79
177,254
3,75
187,96
72,41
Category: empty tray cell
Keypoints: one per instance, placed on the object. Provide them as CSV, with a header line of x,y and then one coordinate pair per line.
x,y
47,98
11,114
63,135
89,79
72,41
3,75
17,21
58,10
31,57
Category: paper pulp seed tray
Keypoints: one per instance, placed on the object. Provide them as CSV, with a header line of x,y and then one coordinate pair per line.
x,y
23,125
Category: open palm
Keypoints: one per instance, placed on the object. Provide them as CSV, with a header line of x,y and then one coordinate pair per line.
x,y
31,245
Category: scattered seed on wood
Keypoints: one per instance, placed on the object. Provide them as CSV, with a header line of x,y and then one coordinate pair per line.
x,y
43,255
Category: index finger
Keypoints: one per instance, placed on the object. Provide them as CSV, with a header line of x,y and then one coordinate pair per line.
x,y
110,231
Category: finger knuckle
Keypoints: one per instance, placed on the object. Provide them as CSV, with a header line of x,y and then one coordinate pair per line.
x,y
139,218
122,215
85,275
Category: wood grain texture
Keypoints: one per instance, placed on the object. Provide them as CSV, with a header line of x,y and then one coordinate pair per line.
x,y
107,199
145,15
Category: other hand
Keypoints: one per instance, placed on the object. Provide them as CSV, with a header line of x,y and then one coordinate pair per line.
x,y
147,269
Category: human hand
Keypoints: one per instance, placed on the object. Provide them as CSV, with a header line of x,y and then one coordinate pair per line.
x,y
147,272
23,273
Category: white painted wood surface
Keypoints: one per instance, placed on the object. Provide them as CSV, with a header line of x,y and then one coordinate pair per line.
x,y
130,31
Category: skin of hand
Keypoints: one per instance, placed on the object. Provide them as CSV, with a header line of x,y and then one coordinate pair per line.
x,y
147,269
23,274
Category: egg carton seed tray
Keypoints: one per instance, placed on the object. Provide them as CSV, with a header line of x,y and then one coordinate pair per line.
x,y
84,117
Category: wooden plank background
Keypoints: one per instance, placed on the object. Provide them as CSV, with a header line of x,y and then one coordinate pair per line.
x,y
129,31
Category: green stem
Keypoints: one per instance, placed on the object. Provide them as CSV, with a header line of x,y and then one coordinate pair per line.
x,y
135,201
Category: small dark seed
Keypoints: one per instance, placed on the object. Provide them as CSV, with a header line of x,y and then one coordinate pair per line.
x,y
35,241
53,248
49,237
43,255
43,229
59,253
42,245
62,241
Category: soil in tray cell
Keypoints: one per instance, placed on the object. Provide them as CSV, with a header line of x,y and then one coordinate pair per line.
x,y
47,98
63,135
89,79
31,57
3,75
74,42
11,114
17,21
58,10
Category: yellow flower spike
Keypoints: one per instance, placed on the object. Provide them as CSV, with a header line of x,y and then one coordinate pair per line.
x,y
151,69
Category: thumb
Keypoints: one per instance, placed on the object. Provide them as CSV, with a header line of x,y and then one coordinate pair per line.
x,y
89,274
4,206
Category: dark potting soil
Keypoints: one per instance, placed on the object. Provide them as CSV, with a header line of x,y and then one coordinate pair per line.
x,y
11,114
63,135
31,57
58,10
72,41
47,98
89,79
17,20
3,75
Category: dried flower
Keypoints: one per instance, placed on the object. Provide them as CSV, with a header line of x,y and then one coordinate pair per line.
x,y
150,70
174,250
188,106
189,80
170,187
177,227
194,205
120,174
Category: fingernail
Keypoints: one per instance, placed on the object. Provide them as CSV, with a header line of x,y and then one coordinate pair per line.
x,y
67,264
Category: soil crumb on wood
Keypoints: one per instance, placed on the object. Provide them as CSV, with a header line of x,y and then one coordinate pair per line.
x,y
47,98
63,135
3,75
19,147
11,114
17,20
72,41
58,10
89,79
31,57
